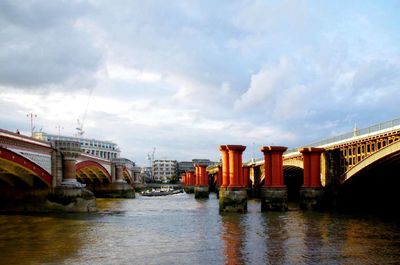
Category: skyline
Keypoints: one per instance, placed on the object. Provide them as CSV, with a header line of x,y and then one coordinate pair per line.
x,y
187,77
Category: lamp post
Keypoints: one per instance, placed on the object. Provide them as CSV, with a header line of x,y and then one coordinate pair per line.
x,y
31,116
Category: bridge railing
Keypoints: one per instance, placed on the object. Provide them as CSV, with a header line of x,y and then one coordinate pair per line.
x,y
360,132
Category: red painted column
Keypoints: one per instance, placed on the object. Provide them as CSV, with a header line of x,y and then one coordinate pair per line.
x,y
225,166
235,165
312,166
183,179
273,166
219,176
196,175
191,178
246,176
203,175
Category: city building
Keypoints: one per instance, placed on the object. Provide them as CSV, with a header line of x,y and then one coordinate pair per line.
x,y
99,148
184,166
164,169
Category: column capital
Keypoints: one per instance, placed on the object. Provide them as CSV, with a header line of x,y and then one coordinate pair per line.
x,y
69,149
238,148
267,149
223,148
311,150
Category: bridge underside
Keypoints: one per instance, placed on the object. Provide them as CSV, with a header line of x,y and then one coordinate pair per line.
x,y
376,188
18,171
293,179
92,175
13,175
91,172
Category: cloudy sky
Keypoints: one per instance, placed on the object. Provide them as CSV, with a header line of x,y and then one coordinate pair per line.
x,y
187,76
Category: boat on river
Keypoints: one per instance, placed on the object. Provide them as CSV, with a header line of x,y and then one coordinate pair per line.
x,y
161,192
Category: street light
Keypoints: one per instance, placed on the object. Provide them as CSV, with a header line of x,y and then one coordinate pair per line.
x,y
31,116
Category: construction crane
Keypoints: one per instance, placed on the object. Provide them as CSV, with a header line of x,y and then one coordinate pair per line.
x,y
79,129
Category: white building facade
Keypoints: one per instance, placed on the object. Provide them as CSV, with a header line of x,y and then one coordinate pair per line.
x,y
164,169
103,149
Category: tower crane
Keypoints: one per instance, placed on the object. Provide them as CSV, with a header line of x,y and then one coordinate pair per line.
x,y
79,129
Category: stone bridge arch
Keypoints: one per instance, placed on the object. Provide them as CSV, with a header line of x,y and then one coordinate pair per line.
x,y
15,166
91,170
127,175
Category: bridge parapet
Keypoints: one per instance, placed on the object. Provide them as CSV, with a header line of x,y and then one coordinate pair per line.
x,y
34,150
68,148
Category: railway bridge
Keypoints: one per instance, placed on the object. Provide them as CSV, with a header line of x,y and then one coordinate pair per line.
x,y
357,169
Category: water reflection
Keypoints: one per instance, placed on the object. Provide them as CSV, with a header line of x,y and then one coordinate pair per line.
x,y
232,236
276,236
182,230
39,239
313,240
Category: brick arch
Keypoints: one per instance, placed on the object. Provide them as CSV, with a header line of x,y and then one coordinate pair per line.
x,y
127,175
389,151
11,161
88,168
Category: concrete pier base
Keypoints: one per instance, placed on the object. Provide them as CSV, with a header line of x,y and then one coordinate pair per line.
x,y
201,192
189,189
70,199
115,190
274,199
311,198
232,200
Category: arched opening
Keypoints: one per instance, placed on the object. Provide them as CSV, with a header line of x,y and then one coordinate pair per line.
x,y
293,179
18,171
92,173
374,189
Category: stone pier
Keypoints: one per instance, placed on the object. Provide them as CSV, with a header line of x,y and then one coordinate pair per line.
x,y
119,188
312,192
232,194
273,192
70,195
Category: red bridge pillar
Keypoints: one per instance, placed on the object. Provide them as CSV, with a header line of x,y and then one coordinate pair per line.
x,y
201,190
273,192
225,166
246,176
232,194
311,193
190,179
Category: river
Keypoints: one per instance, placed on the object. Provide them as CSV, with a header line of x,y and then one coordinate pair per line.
x,y
178,229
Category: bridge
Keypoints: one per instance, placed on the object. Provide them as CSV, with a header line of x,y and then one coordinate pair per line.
x,y
359,168
32,170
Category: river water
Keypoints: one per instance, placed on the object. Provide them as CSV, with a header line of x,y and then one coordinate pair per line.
x,y
178,229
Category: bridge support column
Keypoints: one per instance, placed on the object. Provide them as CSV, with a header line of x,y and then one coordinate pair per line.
x,y
71,195
232,194
201,190
119,188
219,181
274,192
312,192
190,182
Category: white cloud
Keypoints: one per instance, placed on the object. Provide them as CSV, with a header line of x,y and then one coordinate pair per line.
x,y
186,77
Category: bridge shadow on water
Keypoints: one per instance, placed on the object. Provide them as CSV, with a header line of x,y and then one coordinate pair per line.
x,y
375,191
